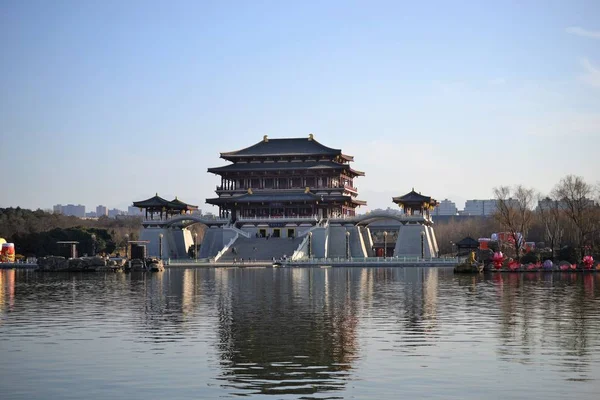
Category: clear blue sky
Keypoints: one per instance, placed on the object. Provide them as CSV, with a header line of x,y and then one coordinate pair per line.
x,y
107,102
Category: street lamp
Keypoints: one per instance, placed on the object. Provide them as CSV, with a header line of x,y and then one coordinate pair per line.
x,y
422,244
93,244
126,245
160,237
385,245
309,244
196,246
347,244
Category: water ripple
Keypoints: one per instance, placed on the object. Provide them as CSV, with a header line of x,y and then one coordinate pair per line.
x,y
299,333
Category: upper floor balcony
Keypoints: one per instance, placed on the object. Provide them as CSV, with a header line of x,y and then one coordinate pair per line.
x,y
242,189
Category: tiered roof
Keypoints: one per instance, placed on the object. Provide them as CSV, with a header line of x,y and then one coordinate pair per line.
x,y
413,197
278,196
158,203
279,166
285,147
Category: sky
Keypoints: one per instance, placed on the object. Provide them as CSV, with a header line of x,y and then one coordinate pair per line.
x,y
109,102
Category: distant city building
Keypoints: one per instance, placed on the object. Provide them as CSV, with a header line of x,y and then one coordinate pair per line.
x,y
101,211
548,203
70,210
479,207
134,211
445,207
112,213
91,214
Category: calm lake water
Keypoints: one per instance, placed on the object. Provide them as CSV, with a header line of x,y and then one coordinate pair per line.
x,y
341,333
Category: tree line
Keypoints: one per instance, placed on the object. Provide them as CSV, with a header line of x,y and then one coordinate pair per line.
x,y
35,233
566,218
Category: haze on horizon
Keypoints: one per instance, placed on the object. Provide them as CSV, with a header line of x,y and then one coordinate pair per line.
x,y
110,102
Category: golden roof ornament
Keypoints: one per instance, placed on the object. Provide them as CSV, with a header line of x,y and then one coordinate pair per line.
x,y
265,138
310,136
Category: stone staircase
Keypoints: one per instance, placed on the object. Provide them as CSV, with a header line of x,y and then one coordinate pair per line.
x,y
261,249
337,242
212,243
409,241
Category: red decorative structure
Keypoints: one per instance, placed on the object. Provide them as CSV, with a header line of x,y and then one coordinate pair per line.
x,y
498,259
513,265
588,262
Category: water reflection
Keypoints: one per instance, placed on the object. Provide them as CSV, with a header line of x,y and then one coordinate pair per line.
x,y
309,333
286,331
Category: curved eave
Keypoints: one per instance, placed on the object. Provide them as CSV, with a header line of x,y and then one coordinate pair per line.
x,y
414,198
180,205
254,167
234,158
400,200
265,198
355,172
341,199
282,147
153,202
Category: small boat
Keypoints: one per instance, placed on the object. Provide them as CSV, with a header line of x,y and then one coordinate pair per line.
x,y
277,264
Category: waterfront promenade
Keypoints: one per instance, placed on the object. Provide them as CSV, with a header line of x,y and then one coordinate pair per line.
x,y
332,262
314,262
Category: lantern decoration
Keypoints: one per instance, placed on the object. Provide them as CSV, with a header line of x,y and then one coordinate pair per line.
x,y
513,265
588,262
498,259
548,264
564,267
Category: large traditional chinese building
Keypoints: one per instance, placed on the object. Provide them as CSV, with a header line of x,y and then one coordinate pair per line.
x,y
286,178
289,198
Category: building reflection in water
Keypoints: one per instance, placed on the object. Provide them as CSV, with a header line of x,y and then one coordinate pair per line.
x,y
287,331
302,331
545,314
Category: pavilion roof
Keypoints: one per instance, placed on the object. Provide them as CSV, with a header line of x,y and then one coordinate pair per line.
x,y
283,147
280,166
153,202
414,197
176,203
158,202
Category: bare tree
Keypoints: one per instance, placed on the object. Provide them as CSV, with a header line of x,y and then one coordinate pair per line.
x,y
514,212
575,196
553,220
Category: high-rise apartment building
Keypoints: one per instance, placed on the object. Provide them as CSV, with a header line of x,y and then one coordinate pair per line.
x,y
480,207
101,211
134,211
445,207
70,210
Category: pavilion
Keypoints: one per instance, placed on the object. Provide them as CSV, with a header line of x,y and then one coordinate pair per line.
x,y
164,208
416,236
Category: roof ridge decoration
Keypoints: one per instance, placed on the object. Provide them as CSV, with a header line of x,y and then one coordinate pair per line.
x,y
310,137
